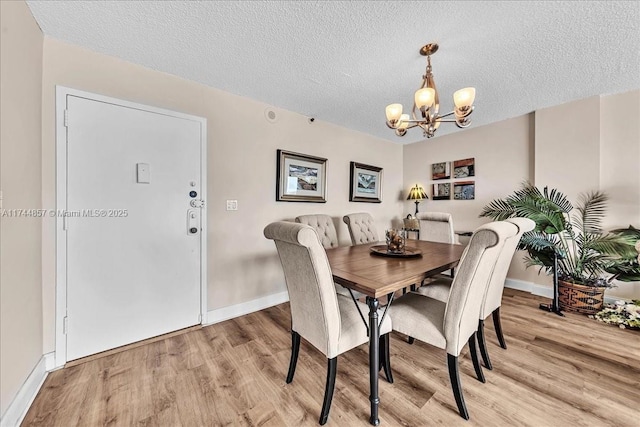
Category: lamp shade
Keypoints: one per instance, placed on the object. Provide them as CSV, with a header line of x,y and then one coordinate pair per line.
x,y
393,111
424,97
464,97
417,193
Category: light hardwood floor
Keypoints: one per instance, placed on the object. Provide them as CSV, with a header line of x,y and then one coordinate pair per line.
x,y
570,371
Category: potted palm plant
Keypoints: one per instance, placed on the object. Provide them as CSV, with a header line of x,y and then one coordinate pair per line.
x,y
583,252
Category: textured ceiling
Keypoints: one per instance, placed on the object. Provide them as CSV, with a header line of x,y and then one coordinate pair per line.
x,y
344,61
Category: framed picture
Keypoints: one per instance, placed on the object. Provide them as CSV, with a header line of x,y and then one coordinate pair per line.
x,y
300,178
464,190
365,183
441,191
464,168
440,170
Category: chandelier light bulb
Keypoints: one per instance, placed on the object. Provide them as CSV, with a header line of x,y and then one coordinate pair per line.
x,y
393,111
424,97
464,98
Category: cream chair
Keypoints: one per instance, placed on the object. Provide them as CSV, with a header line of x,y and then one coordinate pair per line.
x,y
449,325
329,322
493,297
437,227
362,228
323,224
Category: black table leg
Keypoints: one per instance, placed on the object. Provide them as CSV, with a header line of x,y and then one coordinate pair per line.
x,y
374,358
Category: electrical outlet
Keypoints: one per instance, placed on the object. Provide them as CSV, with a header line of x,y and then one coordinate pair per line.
x,y
232,205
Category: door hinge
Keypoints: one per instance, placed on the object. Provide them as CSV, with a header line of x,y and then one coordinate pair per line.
x,y
66,118
65,325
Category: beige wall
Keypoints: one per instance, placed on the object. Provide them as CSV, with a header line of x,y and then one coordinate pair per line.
x,y
242,148
20,166
594,144
502,153
620,157
576,147
567,147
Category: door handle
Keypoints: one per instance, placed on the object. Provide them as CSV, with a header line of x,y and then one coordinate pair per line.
x,y
193,222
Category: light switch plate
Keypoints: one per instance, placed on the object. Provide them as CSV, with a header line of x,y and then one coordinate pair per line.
x,y
232,205
143,173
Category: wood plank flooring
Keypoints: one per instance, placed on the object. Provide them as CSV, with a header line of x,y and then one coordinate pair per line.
x,y
570,371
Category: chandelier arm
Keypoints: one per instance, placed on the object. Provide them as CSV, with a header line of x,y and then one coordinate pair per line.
x,y
447,115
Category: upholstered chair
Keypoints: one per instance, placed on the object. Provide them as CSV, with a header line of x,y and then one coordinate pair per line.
x,y
450,325
362,228
323,224
492,301
329,322
437,227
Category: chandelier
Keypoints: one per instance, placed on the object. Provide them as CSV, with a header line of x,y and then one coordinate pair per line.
x,y
425,113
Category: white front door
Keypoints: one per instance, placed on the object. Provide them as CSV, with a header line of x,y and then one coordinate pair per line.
x,y
133,226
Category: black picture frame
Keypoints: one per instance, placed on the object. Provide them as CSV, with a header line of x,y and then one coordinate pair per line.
x,y
300,177
365,183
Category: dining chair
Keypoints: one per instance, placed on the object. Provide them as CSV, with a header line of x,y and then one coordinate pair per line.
x,y
362,228
329,322
451,324
437,227
323,224
492,300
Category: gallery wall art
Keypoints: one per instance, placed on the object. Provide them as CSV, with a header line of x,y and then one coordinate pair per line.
x,y
300,178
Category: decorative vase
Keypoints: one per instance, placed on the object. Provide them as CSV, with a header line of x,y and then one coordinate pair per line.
x,y
580,298
395,241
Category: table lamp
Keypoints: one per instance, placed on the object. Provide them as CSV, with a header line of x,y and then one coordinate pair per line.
x,y
417,193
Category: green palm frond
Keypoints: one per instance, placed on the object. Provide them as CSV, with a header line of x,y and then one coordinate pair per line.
x,y
607,244
591,212
558,199
498,210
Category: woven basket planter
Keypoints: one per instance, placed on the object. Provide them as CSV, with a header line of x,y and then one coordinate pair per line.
x,y
580,298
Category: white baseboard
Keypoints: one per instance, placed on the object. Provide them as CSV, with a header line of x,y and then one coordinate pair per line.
x,y
226,313
18,408
543,291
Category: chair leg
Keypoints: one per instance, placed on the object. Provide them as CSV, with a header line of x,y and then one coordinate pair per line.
x,y
483,346
295,349
385,359
475,358
332,367
454,377
498,327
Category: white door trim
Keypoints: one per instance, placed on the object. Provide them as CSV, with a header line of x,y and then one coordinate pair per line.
x,y
61,203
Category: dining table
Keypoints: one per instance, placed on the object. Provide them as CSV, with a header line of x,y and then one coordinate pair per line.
x,y
376,274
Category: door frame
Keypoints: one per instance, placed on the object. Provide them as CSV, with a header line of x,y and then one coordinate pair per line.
x,y
61,203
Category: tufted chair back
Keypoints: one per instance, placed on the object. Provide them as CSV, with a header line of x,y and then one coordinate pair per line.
x,y
323,224
362,228
436,227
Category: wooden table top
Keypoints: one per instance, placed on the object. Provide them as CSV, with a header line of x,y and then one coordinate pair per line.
x,y
357,268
